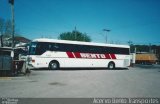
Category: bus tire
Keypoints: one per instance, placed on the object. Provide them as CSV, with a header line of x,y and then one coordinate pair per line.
x,y
111,65
54,65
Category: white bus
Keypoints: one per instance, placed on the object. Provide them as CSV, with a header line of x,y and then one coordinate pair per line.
x,y
55,54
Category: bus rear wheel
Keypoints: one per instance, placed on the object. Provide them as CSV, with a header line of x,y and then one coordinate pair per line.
x,y
111,65
53,65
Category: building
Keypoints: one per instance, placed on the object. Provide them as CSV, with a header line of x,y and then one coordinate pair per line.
x,y
19,41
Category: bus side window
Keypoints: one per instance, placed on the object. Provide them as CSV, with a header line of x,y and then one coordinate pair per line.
x,y
106,49
42,47
76,48
54,47
92,50
99,49
65,47
50,47
85,48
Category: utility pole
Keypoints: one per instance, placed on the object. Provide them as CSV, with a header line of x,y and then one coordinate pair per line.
x,y
1,36
12,10
150,50
106,30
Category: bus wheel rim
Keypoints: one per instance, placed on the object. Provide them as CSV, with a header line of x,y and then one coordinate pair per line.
x,y
53,65
111,66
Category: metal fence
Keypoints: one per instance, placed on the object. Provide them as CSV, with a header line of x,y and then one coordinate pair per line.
x,y
5,66
5,63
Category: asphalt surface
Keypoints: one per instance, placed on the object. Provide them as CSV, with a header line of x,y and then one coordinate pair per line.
x,y
135,82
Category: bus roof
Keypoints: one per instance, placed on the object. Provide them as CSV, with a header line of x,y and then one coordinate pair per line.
x,y
78,42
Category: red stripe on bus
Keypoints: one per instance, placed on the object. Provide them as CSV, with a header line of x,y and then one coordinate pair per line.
x,y
113,56
70,54
107,56
77,54
90,55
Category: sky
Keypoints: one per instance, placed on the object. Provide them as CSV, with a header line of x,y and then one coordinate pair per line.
x,y
129,20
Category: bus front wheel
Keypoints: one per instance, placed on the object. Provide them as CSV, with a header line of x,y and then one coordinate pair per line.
x,y
111,65
53,65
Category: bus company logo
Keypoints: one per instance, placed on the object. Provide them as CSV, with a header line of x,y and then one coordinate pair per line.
x,y
90,55
99,56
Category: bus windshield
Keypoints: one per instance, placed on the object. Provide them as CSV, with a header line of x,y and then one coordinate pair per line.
x,y
32,48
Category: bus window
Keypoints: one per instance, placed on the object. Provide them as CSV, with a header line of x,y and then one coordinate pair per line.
x,y
42,47
53,47
32,49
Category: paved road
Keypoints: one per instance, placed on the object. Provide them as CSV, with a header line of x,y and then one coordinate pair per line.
x,y
134,82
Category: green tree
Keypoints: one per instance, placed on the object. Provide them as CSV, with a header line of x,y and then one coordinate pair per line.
x,y
75,36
